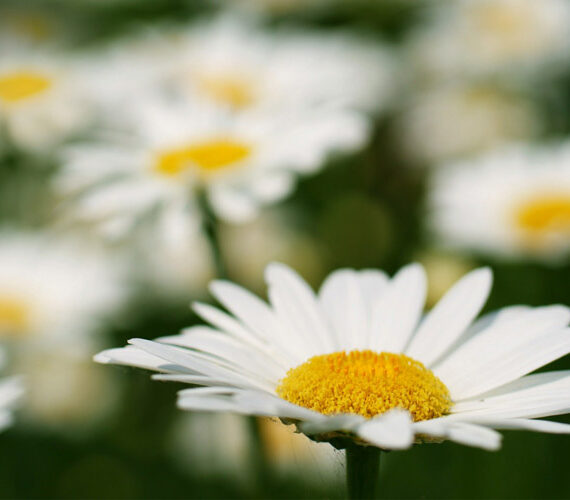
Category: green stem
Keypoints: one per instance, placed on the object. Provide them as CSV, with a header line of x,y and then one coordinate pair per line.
x,y
362,470
211,225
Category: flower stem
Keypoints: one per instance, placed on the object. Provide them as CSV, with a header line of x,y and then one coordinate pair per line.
x,y
210,224
362,470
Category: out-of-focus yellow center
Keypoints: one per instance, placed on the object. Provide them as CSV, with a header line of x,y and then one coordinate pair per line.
x,y
501,19
366,383
21,85
230,90
509,27
544,214
208,156
14,316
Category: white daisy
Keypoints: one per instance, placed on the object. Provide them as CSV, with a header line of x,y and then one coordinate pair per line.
x,y
235,64
358,360
512,202
240,162
41,103
64,390
494,36
11,391
171,263
460,119
53,292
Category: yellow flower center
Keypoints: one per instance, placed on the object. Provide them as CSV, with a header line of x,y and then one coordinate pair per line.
x,y
366,383
544,214
230,90
208,156
14,316
21,85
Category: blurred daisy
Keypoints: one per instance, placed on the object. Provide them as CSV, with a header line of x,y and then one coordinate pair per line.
x,y
234,64
358,361
490,36
65,390
211,445
11,390
40,101
241,163
513,202
53,292
171,263
461,119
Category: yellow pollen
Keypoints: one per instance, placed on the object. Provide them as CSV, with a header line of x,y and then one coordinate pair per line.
x,y
21,85
544,214
230,90
208,156
14,316
366,383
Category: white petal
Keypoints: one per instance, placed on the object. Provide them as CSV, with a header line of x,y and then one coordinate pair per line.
x,y
539,381
226,323
450,317
206,404
341,300
332,423
530,425
11,390
397,311
506,352
131,356
526,397
475,435
191,361
225,347
190,379
373,283
264,404
272,186
460,432
494,319
258,317
232,205
296,305
391,430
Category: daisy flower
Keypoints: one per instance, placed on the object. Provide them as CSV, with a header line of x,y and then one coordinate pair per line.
x,y
514,202
234,64
41,103
65,391
359,362
11,390
239,162
53,292
494,36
